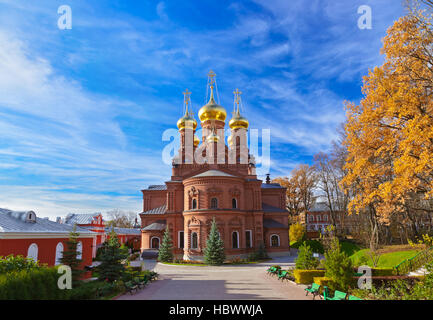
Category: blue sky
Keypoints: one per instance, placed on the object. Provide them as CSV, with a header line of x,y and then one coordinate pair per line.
x,y
82,111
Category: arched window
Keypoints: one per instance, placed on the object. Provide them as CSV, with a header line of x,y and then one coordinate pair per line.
x,y
59,253
235,240
275,240
32,252
80,250
194,240
214,203
194,203
154,242
234,203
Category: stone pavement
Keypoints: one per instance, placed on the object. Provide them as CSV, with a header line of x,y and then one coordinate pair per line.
x,y
249,282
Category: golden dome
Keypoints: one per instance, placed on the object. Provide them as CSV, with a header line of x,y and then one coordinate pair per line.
x,y
212,111
213,137
196,141
187,121
238,122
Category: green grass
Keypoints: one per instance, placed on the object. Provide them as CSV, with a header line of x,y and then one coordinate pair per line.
x,y
386,260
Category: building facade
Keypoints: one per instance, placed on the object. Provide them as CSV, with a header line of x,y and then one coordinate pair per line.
x,y
23,233
214,180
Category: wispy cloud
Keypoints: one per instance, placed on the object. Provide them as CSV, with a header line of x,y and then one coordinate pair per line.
x,y
82,111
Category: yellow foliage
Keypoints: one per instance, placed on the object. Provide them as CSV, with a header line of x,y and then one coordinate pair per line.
x,y
296,232
307,276
389,136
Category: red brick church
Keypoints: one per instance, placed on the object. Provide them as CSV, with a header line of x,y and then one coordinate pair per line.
x,y
212,179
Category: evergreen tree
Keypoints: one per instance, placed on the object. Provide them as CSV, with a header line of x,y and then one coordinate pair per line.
x,y
214,251
111,267
70,256
261,251
338,267
165,253
305,259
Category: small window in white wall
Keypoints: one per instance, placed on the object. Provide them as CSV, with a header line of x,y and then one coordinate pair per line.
x,y
32,252
59,253
80,250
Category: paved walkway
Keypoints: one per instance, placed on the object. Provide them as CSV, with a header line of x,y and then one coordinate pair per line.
x,y
220,283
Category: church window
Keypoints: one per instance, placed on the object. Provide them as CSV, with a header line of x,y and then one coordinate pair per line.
x,y
59,253
181,239
214,203
248,239
194,240
194,203
32,252
235,240
234,203
275,240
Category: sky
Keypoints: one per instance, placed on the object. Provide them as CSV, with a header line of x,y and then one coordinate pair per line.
x,y
83,110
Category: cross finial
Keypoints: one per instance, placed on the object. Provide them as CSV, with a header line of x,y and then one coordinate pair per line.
x,y
211,76
186,98
237,100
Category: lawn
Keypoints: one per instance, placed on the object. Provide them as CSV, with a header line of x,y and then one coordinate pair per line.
x,y
386,260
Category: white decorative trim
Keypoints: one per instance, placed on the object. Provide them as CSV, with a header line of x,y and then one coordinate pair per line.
x,y
25,235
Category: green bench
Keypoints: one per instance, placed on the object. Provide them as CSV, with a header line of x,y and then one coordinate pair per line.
x,y
273,271
283,275
314,289
130,287
338,295
354,298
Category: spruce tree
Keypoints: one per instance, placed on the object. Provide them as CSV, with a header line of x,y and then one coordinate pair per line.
x,y
165,253
70,256
214,251
111,267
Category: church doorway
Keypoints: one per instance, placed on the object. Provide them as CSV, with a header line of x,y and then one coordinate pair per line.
x,y
154,242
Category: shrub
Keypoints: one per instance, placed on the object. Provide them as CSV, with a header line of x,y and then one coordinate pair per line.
x,y
322,281
296,232
33,284
338,267
314,244
307,276
13,263
305,259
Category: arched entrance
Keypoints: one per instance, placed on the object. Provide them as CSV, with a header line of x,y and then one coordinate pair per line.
x,y
154,243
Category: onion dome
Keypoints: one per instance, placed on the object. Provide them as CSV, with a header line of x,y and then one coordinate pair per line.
x,y
213,137
196,141
212,110
187,121
238,122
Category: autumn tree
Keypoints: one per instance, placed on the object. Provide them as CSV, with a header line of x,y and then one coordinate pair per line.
x,y
300,188
389,135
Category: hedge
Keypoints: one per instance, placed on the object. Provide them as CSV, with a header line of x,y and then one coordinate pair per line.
x,y
307,276
35,284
